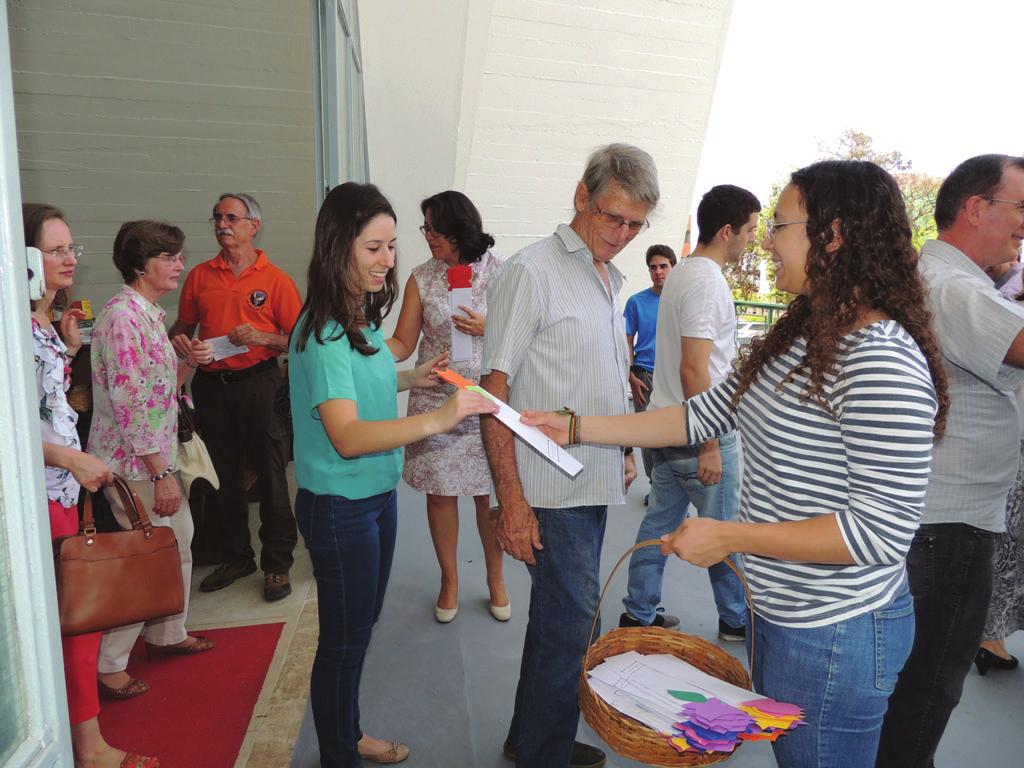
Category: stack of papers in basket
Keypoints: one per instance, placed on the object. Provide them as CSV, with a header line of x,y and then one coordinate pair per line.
x,y
694,710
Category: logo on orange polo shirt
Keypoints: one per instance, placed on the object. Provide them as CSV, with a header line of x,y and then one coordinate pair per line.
x,y
258,298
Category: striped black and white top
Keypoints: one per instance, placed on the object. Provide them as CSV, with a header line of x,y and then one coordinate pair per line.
x,y
867,464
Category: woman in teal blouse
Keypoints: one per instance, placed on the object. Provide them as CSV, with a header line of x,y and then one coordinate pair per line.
x,y
347,451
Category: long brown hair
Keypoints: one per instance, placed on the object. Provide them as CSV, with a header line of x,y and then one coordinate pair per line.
x,y
333,291
874,267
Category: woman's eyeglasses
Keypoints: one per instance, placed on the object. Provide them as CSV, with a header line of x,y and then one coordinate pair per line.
x,y
64,251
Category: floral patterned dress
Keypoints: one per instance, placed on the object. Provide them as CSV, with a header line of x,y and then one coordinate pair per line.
x,y
451,464
56,418
1006,609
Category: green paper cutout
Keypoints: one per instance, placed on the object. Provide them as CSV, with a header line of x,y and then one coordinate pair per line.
x,y
688,696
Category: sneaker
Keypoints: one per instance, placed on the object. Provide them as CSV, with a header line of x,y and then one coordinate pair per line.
x,y
225,575
276,587
662,620
583,755
731,634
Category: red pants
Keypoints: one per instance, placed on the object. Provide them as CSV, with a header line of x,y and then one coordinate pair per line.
x,y
80,651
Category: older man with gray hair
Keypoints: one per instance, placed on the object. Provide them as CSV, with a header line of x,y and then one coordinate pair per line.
x,y
250,305
555,336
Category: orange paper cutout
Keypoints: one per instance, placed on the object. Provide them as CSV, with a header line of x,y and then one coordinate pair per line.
x,y
447,374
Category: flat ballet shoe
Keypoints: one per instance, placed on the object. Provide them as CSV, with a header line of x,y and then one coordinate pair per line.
x,y
502,612
395,753
444,616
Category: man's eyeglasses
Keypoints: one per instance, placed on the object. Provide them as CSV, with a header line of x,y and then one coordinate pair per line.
x,y
170,258
616,221
230,218
64,251
771,227
1018,204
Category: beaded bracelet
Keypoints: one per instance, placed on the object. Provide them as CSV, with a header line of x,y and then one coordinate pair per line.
x,y
574,424
170,470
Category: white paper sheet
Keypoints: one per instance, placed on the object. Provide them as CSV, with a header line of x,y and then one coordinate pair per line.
x,y
540,442
462,343
223,348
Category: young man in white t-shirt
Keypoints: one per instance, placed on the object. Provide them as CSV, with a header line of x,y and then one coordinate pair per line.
x,y
694,350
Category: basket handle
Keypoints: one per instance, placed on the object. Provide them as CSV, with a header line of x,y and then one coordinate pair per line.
x,y
657,543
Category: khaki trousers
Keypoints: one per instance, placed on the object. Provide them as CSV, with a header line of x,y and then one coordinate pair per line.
x,y
117,643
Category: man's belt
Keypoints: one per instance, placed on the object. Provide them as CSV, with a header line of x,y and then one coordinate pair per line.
x,y
227,377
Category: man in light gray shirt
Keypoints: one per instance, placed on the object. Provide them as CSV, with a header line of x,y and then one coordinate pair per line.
x,y
980,217
555,337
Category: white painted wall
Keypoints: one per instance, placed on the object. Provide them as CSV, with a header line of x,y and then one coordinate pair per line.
x,y
504,99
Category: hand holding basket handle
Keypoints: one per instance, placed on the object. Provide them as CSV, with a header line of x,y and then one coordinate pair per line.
x,y
625,735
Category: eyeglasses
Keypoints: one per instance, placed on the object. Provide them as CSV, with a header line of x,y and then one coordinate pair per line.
x,y
616,221
170,258
771,227
64,251
1018,204
426,230
230,218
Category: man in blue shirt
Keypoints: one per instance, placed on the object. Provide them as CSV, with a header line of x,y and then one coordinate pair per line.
x,y
641,321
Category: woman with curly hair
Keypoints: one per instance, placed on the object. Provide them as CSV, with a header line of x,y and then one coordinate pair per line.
x,y
838,406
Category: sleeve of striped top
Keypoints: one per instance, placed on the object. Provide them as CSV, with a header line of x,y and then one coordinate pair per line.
x,y
886,405
710,414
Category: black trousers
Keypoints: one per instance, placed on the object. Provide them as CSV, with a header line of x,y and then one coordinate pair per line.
x,y
242,431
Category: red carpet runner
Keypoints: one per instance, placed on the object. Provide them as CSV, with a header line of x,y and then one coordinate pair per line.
x,y
198,708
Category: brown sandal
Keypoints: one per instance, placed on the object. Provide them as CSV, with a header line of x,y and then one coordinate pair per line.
x,y
129,690
200,645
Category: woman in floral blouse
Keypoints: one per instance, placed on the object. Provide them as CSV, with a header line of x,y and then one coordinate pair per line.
x,y
136,377
67,469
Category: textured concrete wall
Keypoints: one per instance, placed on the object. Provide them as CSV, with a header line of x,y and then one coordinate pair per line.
x,y
132,109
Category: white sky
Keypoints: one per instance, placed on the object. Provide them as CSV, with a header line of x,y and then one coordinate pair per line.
x,y
938,80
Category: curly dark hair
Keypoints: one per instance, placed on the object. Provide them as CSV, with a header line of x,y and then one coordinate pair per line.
x,y
874,267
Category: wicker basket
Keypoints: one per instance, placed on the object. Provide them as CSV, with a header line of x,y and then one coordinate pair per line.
x,y
627,736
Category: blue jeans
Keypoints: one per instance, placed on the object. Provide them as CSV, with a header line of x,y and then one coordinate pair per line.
x,y
950,570
351,544
563,601
842,675
674,485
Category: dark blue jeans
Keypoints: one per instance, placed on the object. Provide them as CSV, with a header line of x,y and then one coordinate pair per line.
x,y
351,544
563,600
950,572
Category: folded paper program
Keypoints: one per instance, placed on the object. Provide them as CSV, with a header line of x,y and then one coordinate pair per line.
x,y
694,710
510,417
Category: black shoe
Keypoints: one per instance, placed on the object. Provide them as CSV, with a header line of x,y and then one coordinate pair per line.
x,y
583,755
225,575
731,634
662,620
986,660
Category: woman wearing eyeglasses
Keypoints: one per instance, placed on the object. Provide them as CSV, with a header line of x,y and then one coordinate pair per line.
x,y
450,465
68,468
136,376
838,406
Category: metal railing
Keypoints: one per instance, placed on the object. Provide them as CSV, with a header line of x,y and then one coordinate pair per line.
x,y
769,310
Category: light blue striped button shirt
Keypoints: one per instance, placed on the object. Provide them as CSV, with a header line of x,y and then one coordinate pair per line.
x,y
975,462
555,331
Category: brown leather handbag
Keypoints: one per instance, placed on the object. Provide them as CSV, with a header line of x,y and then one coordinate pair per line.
x,y
107,580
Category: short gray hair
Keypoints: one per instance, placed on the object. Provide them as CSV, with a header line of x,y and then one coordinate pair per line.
x,y
629,167
250,203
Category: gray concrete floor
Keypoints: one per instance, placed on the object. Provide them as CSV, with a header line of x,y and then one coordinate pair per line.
x,y
447,690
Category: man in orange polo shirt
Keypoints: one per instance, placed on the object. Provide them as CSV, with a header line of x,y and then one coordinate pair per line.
x,y
240,295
